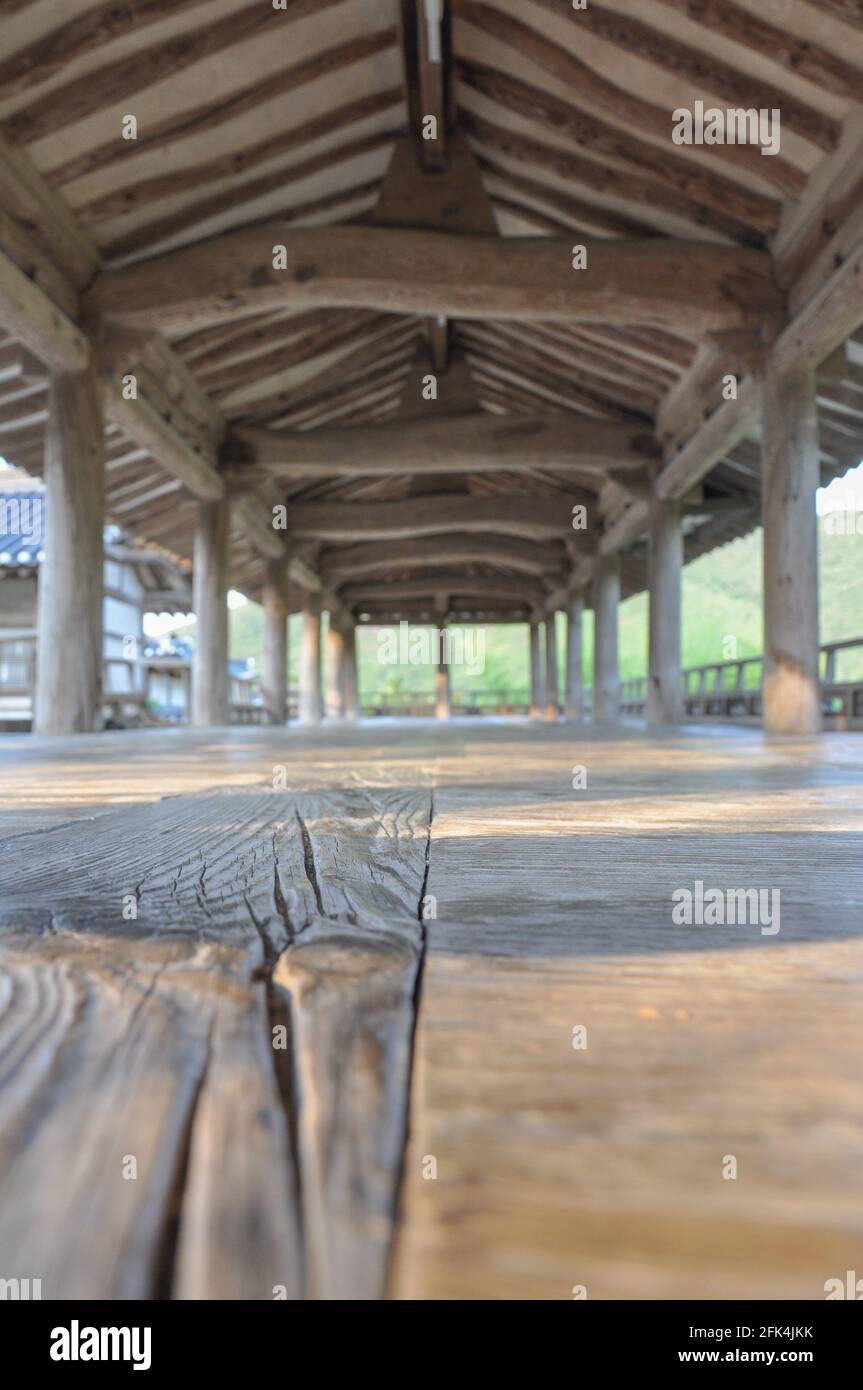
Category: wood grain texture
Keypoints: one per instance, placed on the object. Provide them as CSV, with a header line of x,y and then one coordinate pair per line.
x,y
464,443
602,1167
258,1167
689,286
259,907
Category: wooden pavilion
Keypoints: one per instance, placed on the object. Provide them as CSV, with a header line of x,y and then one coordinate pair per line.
x,y
399,309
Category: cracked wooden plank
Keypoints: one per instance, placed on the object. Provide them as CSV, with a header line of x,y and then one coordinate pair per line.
x,y
152,1038
352,1000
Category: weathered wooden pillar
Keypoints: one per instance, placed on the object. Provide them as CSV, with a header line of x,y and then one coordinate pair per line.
x,y
443,688
210,698
274,677
789,479
69,635
665,571
334,669
537,684
573,696
606,679
310,664
350,683
552,705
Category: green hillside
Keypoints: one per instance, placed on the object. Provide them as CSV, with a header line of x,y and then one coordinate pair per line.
x,y
721,617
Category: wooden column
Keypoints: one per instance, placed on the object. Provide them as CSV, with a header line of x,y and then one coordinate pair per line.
x,y
443,690
573,697
350,682
789,478
334,669
69,637
665,570
537,684
274,679
552,705
210,701
310,665
606,680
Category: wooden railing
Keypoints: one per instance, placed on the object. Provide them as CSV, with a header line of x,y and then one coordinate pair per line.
x,y
732,689
421,703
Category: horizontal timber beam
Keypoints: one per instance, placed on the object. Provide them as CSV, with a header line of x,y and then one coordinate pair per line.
x,y
524,557
425,613
446,584
534,518
690,286
468,443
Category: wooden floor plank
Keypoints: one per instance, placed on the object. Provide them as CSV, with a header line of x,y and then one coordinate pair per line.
x,y
602,1168
254,909
263,1169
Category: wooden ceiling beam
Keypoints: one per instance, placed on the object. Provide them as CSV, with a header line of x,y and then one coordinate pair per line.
x,y
38,323
444,444
645,191
585,218
831,316
846,11
667,164
718,435
521,556
219,347
691,286
169,416
803,58
389,355
700,67
571,349
533,518
237,196
118,80
133,197
444,584
254,517
633,398
279,392
391,373
548,392
278,351
80,37
209,115
42,216
143,423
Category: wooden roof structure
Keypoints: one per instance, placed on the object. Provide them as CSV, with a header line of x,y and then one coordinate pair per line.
x,y
155,152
